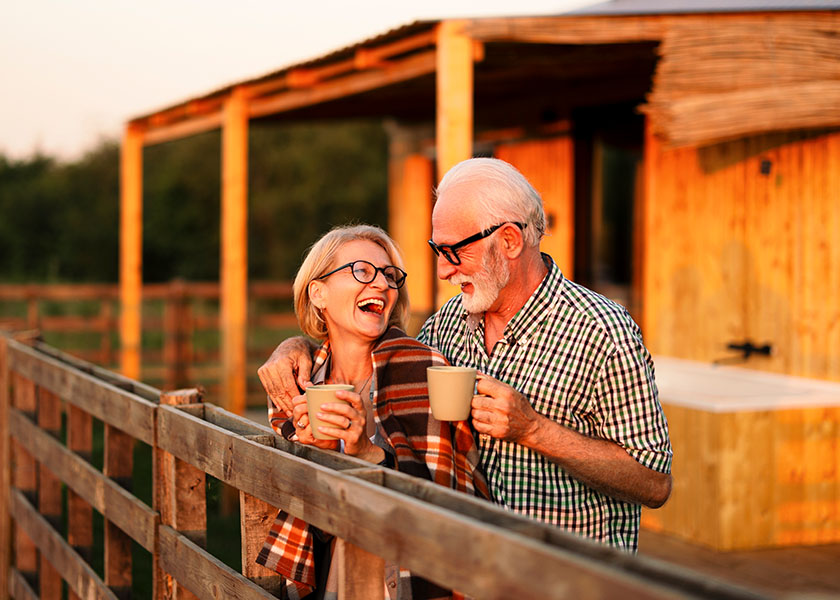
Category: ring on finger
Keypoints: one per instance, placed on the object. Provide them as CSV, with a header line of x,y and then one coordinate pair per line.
x,y
300,424
349,423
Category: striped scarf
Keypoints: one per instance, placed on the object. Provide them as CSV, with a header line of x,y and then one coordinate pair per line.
x,y
437,451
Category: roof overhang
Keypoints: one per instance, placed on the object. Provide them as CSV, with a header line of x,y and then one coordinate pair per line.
x,y
529,70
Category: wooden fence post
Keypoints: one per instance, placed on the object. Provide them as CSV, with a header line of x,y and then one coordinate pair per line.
x,y
255,519
5,474
106,349
180,497
33,312
24,475
360,573
177,340
49,490
118,465
79,512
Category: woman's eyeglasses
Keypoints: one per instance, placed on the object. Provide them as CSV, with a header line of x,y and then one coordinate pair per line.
x,y
449,251
365,272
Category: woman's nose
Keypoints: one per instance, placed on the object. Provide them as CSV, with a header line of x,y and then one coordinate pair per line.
x,y
379,281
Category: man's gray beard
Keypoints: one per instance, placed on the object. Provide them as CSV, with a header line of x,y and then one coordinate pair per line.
x,y
487,282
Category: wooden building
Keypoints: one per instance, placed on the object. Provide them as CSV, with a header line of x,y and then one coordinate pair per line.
x,y
688,154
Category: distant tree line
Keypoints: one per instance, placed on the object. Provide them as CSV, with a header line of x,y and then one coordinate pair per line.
x,y
59,221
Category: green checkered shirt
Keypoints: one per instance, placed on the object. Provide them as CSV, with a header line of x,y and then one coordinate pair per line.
x,y
580,360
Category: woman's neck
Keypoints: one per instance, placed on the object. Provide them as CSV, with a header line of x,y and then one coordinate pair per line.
x,y
350,361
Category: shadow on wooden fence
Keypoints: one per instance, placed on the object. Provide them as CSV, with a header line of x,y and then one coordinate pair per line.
x,y
455,540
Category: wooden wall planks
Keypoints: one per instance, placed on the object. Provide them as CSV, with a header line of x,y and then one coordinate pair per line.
x,y
743,242
753,479
549,165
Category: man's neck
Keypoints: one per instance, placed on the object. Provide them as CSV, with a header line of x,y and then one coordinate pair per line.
x,y
525,279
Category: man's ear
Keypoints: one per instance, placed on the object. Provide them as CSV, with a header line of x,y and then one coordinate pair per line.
x,y
512,241
317,294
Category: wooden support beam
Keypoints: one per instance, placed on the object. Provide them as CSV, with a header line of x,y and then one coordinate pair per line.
x,y
5,474
180,497
410,185
234,258
454,132
131,249
49,490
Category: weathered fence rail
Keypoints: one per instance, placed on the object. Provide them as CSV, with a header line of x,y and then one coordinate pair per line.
x,y
180,326
458,541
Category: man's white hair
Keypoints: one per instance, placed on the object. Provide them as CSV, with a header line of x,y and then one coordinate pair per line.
x,y
502,194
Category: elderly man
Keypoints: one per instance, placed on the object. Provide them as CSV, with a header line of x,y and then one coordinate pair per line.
x,y
572,432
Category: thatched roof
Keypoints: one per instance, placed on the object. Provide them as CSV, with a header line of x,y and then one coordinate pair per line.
x,y
670,7
746,76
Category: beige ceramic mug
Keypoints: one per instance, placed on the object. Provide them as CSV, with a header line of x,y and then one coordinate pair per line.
x,y
317,395
451,392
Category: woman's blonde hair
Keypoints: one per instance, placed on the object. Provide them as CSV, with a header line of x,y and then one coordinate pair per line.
x,y
319,261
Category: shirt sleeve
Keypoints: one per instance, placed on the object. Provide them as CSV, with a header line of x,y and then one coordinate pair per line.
x,y
628,403
425,335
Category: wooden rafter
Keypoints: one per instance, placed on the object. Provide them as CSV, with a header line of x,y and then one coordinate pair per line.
x,y
183,128
367,69
414,66
567,30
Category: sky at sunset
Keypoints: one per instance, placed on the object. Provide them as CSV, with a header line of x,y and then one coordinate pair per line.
x,y
73,71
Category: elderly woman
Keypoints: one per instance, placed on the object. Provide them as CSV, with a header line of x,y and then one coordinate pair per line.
x,y
349,293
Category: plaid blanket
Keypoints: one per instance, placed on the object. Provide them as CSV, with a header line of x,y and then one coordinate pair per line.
x,y
438,451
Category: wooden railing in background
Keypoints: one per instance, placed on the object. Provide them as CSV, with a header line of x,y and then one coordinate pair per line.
x,y
180,327
455,540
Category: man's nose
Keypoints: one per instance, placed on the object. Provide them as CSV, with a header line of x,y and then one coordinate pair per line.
x,y
445,269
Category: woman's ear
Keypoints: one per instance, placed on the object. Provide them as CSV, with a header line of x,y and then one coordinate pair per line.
x,y
317,294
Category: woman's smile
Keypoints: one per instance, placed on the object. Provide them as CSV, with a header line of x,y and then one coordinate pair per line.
x,y
371,305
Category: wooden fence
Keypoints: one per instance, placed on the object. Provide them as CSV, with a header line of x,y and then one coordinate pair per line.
x,y
455,540
180,327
